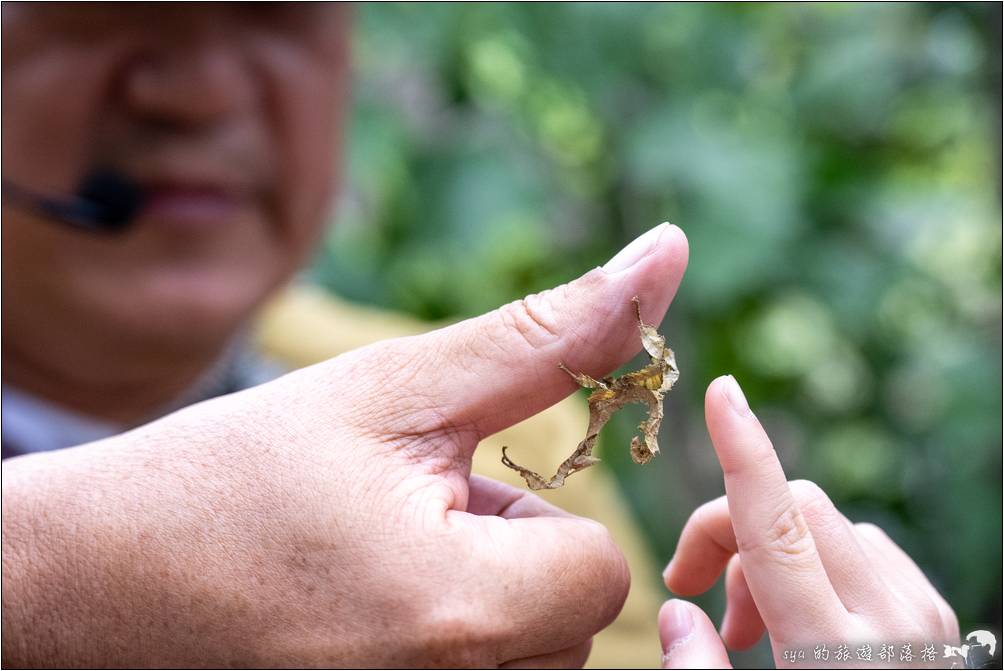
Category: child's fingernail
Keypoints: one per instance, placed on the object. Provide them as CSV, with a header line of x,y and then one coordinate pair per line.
x,y
636,250
736,397
675,624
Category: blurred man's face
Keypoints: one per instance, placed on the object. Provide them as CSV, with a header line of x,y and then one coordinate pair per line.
x,y
227,115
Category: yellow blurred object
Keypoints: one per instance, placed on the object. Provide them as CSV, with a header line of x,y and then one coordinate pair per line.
x,y
305,325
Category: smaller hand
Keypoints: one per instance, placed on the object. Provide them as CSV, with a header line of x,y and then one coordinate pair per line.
x,y
794,564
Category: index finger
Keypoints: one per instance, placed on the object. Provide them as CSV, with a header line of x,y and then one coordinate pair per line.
x,y
779,556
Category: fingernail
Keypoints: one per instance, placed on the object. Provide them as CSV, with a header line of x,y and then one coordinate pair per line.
x,y
665,571
636,250
736,397
675,626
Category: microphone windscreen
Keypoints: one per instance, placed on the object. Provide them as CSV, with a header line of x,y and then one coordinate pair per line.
x,y
115,198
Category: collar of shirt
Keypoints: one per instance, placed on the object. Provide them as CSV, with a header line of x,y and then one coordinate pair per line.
x,y
31,424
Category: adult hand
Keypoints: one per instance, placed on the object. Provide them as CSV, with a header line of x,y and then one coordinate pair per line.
x,y
329,518
793,563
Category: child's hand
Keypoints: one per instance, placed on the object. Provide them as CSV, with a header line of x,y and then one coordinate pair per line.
x,y
795,565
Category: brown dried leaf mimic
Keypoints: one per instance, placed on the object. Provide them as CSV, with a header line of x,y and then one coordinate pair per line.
x,y
646,386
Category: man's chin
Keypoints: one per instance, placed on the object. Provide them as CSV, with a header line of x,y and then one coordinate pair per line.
x,y
180,317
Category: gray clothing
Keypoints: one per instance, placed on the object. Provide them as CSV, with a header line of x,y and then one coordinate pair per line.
x,y
31,424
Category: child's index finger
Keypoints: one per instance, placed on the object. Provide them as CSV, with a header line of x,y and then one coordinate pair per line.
x,y
779,556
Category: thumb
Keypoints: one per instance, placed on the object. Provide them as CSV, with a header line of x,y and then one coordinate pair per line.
x,y
689,639
486,373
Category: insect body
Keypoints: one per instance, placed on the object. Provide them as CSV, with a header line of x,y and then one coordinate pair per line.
x,y
646,386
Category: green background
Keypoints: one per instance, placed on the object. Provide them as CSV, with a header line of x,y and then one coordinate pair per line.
x,y
837,171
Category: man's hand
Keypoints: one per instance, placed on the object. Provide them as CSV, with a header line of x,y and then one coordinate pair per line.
x,y
793,565
329,518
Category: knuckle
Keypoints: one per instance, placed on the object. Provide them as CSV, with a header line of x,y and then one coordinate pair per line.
x,y
812,500
786,538
807,490
533,319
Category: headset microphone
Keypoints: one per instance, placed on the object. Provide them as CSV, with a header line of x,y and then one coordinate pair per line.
x,y
105,202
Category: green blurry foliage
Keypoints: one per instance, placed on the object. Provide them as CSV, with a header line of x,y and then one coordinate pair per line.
x,y
836,168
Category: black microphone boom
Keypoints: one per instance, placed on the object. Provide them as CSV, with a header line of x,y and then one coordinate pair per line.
x,y
105,202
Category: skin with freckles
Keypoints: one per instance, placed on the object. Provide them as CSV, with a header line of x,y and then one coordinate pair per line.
x,y
795,566
229,116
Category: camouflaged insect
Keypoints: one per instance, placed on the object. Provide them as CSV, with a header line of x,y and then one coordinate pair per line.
x,y
646,386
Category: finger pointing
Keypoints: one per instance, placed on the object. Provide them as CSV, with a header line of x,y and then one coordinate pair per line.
x,y
779,556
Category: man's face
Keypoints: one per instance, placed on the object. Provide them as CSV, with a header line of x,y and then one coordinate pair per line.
x,y
227,115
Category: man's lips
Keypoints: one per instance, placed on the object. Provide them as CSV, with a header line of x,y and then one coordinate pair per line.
x,y
191,206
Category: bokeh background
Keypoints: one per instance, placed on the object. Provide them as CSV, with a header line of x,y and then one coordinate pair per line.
x,y
837,170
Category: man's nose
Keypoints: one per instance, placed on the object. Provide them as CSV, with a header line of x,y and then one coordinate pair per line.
x,y
197,76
